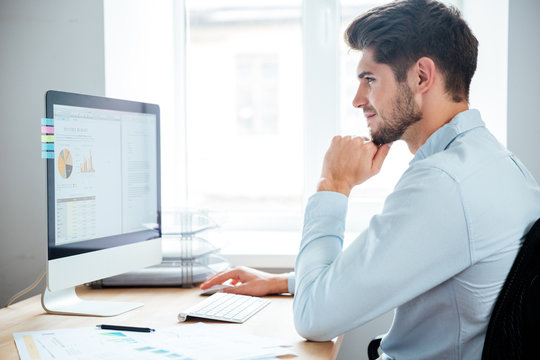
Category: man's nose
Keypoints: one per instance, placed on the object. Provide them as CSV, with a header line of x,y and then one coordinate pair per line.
x,y
360,99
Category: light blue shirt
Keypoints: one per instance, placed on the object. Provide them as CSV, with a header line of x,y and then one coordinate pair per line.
x,y
438,253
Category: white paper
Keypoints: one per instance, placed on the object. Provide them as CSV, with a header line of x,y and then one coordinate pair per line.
x,y
189,341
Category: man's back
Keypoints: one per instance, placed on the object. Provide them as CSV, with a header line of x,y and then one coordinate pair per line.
x,y
500,201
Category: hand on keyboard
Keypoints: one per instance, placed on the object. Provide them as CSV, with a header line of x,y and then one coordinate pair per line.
x,y
249,281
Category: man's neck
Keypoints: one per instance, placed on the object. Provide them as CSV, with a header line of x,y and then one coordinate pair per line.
x,y
433,118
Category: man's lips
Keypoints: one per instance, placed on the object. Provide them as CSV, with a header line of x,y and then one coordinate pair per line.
x,y
369,116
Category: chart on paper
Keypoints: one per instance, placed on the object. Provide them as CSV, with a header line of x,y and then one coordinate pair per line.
x,y
186,342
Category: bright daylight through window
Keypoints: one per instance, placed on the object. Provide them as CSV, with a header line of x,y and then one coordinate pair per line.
x,y
235,83
244,109
245,125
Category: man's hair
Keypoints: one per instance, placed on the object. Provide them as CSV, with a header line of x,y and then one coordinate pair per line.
x,y
402,32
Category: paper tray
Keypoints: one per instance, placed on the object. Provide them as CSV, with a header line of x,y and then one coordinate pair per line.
x,y
166,274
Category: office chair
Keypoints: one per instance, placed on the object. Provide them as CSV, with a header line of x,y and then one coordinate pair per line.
x,y
513,331
514,327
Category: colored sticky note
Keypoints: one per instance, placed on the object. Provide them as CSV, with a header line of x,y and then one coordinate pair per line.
x,y
47,146
47,130
47,138
47,122
47,154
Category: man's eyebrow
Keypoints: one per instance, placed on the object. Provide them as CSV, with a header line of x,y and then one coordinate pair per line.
x,y
363,74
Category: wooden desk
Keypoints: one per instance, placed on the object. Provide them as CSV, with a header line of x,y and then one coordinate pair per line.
x,y
160,310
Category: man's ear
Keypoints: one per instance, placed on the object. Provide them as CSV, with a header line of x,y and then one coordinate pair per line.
x,y
424,74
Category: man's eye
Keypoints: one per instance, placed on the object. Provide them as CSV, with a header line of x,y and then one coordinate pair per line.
x,y
369,80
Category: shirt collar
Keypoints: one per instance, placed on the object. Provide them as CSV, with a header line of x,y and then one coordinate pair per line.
x,y
440,139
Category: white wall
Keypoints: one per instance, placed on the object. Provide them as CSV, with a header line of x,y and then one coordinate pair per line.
x,y
488,91
524,82
53,44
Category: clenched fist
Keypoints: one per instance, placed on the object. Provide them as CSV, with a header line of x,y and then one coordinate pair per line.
x,y
349,162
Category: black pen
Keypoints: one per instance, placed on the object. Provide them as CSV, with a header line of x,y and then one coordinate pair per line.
x,y
125,328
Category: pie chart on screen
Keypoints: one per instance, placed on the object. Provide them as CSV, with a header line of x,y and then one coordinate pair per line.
x,y
65,163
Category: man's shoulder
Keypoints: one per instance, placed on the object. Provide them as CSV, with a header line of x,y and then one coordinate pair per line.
x,y
466,156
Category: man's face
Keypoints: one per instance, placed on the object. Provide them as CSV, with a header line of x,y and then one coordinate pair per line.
x,y
389,106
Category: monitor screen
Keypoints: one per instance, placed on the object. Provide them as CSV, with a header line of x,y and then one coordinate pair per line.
x,y
103,197
104,179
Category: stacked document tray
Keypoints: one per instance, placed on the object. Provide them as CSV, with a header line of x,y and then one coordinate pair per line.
x,y
187,257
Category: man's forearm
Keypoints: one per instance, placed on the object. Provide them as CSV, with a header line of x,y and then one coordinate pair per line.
x,y
321,243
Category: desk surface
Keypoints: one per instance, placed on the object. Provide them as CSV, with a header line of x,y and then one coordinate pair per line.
x,y
160,310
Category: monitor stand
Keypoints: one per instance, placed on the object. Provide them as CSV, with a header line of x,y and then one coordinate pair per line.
x,y
66,302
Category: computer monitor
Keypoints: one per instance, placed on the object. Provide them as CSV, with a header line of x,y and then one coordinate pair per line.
x,y
103,192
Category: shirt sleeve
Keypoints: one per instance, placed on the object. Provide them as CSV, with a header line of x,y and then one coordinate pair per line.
x,y
418,241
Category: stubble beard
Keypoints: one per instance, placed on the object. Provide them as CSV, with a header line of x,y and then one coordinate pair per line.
x,y
404,113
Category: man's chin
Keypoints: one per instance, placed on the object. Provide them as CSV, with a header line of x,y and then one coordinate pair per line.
x,y
377,140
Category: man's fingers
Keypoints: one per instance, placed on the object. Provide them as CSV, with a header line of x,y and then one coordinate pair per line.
x,y
379,157
252,289
220,278
209,282
238,289
242,289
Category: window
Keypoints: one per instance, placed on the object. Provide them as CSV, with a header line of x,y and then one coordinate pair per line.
x,y
244,110
251,93
257,94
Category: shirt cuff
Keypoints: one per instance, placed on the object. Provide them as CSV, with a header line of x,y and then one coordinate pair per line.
x,y
326,203
291,282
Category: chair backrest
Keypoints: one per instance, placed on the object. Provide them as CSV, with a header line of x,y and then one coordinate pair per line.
x,y
514,326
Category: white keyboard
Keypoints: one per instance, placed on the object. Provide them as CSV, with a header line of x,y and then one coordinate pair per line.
x,y
225,307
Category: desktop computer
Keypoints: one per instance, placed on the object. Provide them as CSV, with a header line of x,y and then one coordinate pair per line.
x,y
103,194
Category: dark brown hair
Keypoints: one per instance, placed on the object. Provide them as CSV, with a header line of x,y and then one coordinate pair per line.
x,y
402,32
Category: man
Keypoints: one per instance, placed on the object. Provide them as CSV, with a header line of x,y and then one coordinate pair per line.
x,y
446,238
